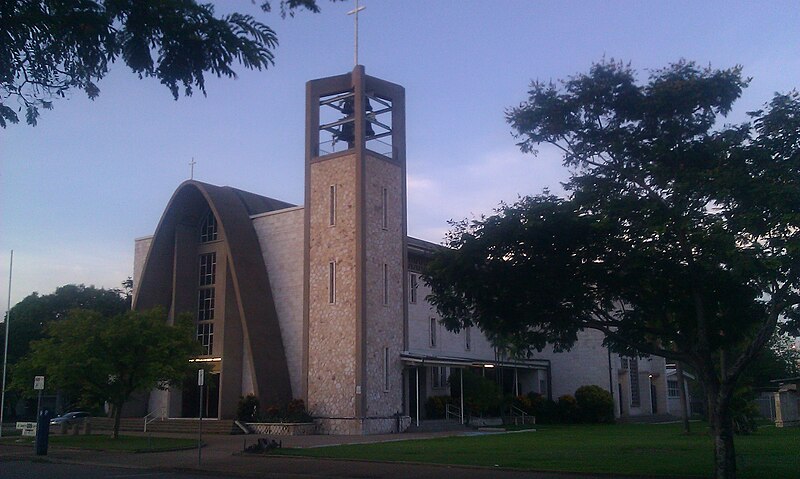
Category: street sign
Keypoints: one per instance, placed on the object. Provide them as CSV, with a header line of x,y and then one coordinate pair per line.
x,y
28,428
200,376
38,383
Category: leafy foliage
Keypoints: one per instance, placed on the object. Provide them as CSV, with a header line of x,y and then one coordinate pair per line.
x,y
49,47
679,238
567,408
100,358
779,360
595,404
436,406
30,317
293,411
481,395
248,408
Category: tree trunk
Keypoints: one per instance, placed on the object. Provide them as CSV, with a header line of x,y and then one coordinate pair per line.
x,y
721,422
682,393
117,418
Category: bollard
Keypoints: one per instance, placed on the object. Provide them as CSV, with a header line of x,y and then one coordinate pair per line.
x,y
42,432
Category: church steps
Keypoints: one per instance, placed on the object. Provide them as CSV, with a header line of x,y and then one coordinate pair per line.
x,y
210,426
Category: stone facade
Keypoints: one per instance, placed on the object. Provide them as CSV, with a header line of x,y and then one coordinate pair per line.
x,y
333,333
384,309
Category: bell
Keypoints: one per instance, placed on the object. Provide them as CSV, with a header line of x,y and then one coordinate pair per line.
x,y
368,131
347,130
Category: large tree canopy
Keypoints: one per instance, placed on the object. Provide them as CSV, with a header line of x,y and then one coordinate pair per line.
x,y
49,47
100,358
30,317
679,237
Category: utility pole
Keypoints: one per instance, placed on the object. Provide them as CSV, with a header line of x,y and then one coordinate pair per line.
x,y
5,348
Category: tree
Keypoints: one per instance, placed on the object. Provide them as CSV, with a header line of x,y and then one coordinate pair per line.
x,y
779,360
49,47
30,316
100,358
678,237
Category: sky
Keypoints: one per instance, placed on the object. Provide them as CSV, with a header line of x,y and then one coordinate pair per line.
x,y
76,190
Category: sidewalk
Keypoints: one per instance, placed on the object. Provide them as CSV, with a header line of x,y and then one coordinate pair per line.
x,y
221,455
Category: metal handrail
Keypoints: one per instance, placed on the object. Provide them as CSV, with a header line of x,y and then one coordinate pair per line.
x,y
151,416
517,412
452,410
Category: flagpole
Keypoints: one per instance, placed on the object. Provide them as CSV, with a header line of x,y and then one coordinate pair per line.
x,y
5,347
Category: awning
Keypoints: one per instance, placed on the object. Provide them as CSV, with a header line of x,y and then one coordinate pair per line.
x,y
419,359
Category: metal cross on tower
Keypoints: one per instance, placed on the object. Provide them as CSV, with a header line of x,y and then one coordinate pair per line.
x,y
354,12
192,163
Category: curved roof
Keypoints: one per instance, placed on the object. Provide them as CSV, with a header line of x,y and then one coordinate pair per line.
x,y
248,274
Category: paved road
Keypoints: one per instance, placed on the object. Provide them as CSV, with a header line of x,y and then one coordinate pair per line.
x,y
29,470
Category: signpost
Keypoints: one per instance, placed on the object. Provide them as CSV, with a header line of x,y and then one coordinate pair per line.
x,y
200,381
38,385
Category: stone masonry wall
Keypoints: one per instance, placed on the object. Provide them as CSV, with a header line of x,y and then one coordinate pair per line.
x,y
384,319
332,327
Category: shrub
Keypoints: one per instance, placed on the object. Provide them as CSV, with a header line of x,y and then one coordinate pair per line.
x,y
524,403
295,406
481,395
567,409
744,411
548,412
292,411
247,409
594,404
435,406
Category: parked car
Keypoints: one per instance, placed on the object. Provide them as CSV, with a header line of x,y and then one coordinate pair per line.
x,y
74,417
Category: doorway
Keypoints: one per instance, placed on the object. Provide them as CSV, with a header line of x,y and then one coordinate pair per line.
x,y
190,406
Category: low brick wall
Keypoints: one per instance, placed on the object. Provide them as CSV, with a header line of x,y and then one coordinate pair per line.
x,y
283,428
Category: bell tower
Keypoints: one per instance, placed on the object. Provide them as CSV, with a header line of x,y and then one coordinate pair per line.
x,y
355,231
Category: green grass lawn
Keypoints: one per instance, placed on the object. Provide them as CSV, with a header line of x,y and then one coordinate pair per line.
x,y
659,449
104,442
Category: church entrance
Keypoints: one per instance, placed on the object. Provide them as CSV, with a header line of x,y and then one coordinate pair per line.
x,y
190,404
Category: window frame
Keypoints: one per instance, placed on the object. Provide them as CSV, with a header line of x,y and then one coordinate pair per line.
x,y
332,282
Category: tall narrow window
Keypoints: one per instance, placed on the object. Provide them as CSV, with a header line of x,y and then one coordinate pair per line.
x,y
208,229
433,332
208,269
205,335
467,338
633,364
413,289
332,282
672,388
205,304
384,208
385,369
332,205
385,284
439,376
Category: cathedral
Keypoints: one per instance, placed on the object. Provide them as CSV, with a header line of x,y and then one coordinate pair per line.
x,y
325,301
